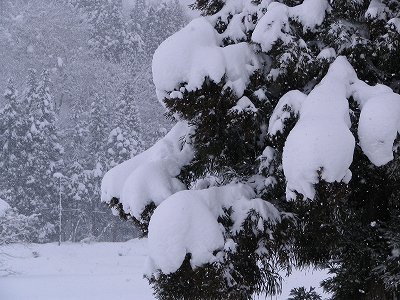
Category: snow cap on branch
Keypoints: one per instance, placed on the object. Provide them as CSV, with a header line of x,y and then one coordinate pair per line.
x,y
379,122
149,176
193,53
187,222
321,141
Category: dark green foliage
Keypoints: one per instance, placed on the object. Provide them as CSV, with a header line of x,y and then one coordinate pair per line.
x,y
261,249
319,222
201,283
142,224
211,110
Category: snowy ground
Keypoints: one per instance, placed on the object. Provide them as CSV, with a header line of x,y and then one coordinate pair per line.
x,y
90,271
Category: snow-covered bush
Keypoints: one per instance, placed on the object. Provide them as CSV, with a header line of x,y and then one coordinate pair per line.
x,y
15,227
285,152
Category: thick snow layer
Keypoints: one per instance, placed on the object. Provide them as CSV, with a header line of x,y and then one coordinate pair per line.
x,y
150,176
193,53
378,127
321,140
362,92
181,53
187,222
153,181
310,13
100,271
290,103
379,121
274,25
240,63
183,224
4,206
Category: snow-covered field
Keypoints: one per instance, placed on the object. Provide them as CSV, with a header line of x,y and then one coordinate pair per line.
x,y
90,271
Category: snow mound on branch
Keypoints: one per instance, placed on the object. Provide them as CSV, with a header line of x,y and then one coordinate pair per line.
x,y
376,10
379,121
321,146
321,143
274,25
244,105
327,53
187,222
311,13
193,53
153,181
266,210
183,225
395,24
290,103
4,207
183,51
149,176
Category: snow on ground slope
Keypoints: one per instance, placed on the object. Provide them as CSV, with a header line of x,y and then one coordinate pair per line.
x,y
92,271
76,272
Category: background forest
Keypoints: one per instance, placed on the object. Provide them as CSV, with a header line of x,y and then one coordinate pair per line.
x,y
78,100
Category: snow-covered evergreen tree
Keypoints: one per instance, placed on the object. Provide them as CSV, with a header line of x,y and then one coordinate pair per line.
x,y
15,227
154,23
31,151
285,152
46,151
11,128
110,37
124,140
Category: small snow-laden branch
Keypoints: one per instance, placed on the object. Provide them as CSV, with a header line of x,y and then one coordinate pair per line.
x,y
288,106
274,26
149,177
321,146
